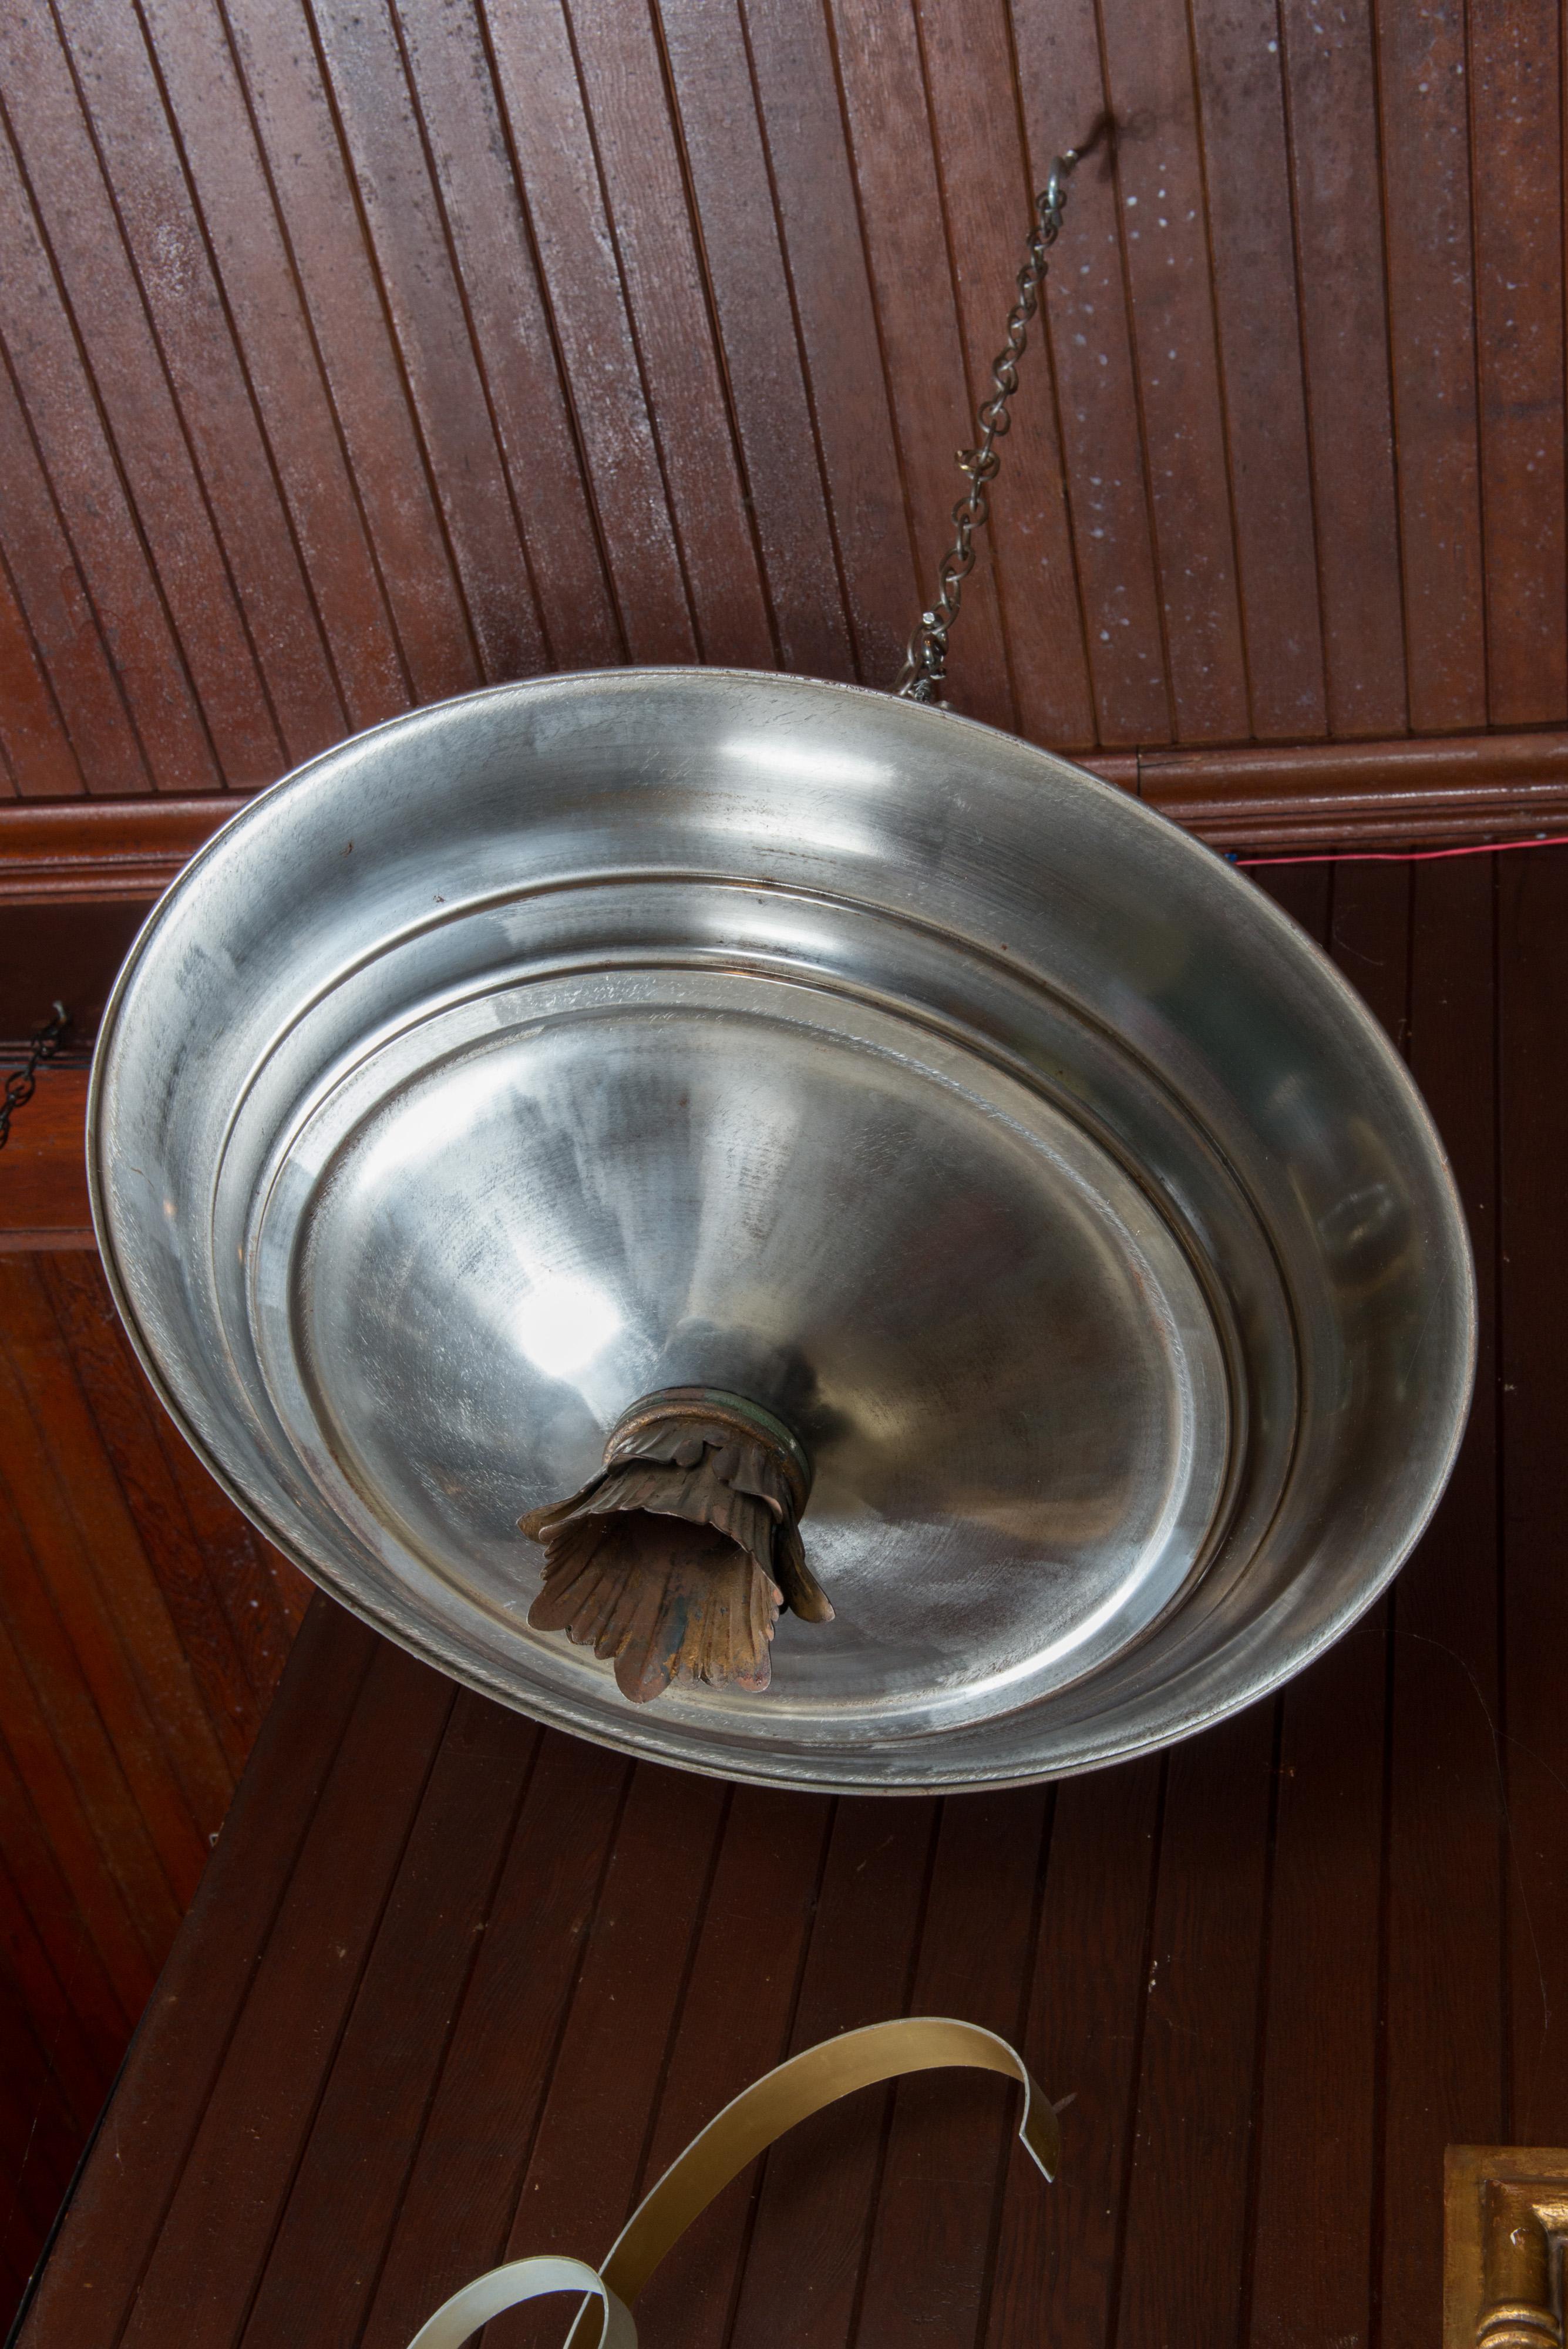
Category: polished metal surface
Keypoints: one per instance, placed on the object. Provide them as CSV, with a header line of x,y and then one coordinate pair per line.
x,y
658,1027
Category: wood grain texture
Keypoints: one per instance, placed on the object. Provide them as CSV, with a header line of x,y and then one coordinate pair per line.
x,y
1532,1133
1317,2181
1094,358
142,1633
737,2017
1331,82
483,2118
1444,2010
1515,78
43,1173
929,2255
353,357
1258,316
1165,232
1423,100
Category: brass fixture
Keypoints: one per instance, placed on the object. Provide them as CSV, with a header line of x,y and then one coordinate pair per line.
x,y
746,2127
675,1560
1505,2220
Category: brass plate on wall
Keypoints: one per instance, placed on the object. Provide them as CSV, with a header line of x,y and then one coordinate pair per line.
x,y
1505,2219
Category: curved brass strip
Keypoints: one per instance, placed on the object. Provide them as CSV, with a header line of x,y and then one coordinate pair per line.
x,y
457,2318
859,2059
747,2127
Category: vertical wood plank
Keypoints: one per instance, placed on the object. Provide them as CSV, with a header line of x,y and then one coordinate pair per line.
x,y
36,749
1165,238
1187,2198
1516,141
1444,2027
240,2161
735,2025
93,2275
235,1684
799,105
818,2190
344,2195
104,2008
1318,2156
1424,94
61,620
412,263
263,300
626,94
1247,187
355,409
952,2141
731,184
35,2134
101,1585
66,430
290,107
478,2137
580,2186
899,195
1062,94
216,411
1058,2260
76,1778
116,346
1533,1278
81,2053
987,200
1331,84
543,99
1369,938
483,215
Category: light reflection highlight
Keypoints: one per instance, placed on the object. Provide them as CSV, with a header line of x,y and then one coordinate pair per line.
x,y
788,759
564,1323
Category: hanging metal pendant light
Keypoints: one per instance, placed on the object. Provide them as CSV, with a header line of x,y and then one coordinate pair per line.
x,y
781,1229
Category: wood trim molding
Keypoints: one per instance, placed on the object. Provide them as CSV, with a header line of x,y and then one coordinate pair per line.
x,y
55,852
1399,793
1505,2218
1472,787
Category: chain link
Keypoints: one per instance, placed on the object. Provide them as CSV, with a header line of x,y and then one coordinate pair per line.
x,y
21,1082
926,660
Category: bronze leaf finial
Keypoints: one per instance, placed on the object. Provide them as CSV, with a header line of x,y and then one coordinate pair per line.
x,y
675,1559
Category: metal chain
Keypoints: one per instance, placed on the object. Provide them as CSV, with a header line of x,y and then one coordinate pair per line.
x,y
21,1082
926,661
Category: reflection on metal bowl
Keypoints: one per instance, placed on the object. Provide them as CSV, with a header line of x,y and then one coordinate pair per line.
x,y
655,1030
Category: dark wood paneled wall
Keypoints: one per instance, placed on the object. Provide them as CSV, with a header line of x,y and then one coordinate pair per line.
x,y
455,1990
353,355
143,1628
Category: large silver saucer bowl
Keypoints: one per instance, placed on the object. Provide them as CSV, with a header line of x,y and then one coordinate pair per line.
x,y
609,1033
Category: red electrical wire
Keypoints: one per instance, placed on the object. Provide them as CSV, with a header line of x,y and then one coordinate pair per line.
x,y
1409,855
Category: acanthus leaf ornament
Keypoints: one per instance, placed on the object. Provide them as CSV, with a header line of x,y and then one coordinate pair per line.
x,y
674,1560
